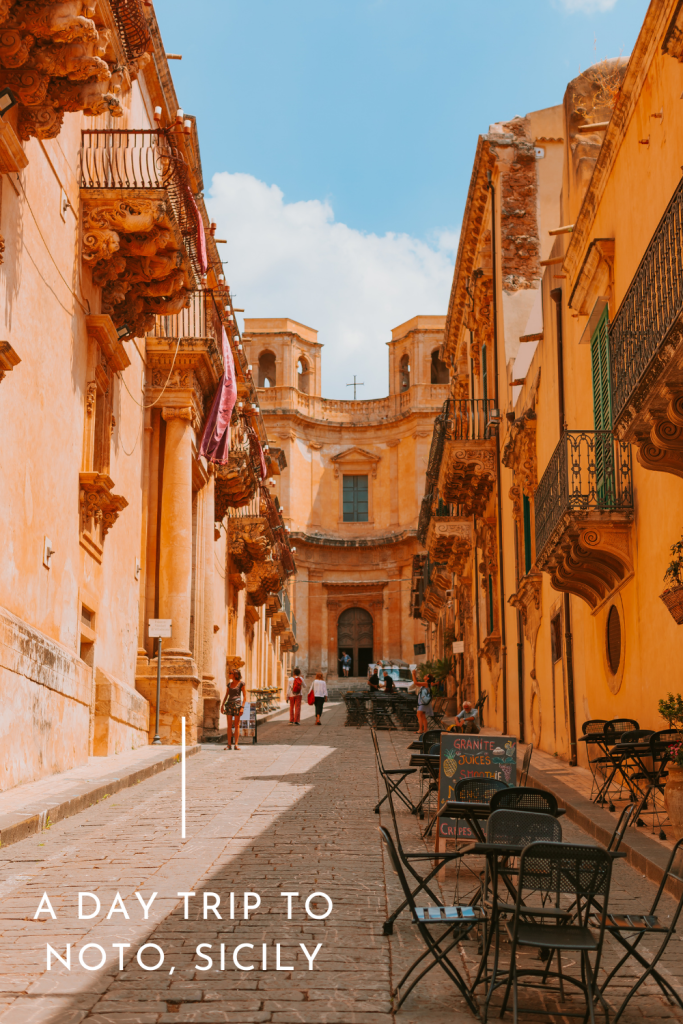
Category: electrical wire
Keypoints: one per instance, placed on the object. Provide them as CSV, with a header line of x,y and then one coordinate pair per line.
x,y
86,309
158,398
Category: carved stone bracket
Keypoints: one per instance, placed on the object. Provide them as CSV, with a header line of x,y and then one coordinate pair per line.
x,y
590,556
442,532
59,58
135,249
100,509
8,359
233,663
490,651
528,602
468,474
236,482
519,453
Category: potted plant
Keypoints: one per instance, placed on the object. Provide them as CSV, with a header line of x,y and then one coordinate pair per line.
x,y
671,709
673,577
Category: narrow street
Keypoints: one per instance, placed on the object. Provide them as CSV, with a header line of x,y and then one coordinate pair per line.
x,y
291,814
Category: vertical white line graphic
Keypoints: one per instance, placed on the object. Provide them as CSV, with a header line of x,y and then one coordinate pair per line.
x,y
182,783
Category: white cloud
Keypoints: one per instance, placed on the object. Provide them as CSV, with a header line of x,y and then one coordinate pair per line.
x,y
294,260
588,6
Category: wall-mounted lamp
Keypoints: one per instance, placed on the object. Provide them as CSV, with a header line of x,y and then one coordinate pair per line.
x,y
123,331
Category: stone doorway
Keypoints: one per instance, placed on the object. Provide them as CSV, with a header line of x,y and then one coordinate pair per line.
x,y
355,637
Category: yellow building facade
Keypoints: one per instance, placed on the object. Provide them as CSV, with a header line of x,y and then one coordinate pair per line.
x,y
116,322
351,491
556,463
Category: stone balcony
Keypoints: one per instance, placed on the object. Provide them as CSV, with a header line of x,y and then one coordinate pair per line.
x,y
445,531
258,550
646,350
419,398
467,470
584,511
140,225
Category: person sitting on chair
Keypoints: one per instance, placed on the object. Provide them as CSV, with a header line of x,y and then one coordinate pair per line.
x,y
389,684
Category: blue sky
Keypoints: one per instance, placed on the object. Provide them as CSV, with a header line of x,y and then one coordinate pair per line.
x,y
344,130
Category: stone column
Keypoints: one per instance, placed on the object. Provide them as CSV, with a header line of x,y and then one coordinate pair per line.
x,y
175,542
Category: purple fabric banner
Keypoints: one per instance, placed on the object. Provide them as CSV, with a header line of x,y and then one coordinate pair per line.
x,y
215,445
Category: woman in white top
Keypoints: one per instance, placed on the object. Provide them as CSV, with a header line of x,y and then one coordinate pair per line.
x,y
319,695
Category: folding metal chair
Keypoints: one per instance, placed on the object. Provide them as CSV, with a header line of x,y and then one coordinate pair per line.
x,y
550,870
524,775
637,926
524,798
508,828
457,922
613,733
406,858
659,743
393,777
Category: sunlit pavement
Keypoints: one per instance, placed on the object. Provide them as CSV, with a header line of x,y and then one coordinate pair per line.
x,y
290,814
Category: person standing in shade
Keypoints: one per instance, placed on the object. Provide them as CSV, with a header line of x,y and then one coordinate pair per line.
x,y
373,681
232,706
319,696
346,663
294,694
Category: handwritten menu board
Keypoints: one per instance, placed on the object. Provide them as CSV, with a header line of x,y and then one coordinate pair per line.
x,y
248,721
468,756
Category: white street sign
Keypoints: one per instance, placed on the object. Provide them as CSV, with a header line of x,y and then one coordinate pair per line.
x,y
458,647
160,627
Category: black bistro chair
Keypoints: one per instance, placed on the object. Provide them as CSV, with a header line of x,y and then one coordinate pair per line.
x,y
548,871
478,790
456,923
629,929
393,778
407,861
524,798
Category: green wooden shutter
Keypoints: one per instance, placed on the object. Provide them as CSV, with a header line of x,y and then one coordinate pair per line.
x,y
602,411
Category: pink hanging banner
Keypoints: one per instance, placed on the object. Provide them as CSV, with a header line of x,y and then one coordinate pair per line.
x,y
215,445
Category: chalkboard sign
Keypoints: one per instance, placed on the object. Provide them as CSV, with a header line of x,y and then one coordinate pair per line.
x,y
248,721
470,756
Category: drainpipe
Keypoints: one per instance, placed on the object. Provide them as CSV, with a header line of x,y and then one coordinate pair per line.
x,y
520,647
476,615
501,566
556,296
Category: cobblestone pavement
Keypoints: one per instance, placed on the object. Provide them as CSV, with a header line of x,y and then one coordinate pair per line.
x,y
291,814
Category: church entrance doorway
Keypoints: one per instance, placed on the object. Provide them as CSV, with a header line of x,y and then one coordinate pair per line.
x,y
354,637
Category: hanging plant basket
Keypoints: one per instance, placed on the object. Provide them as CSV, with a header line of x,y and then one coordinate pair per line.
x,y
673,599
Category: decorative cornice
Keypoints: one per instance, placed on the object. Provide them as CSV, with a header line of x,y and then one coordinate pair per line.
x,y
644,52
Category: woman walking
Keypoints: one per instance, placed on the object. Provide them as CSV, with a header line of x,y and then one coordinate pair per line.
x,y
319,695
294,695
232,706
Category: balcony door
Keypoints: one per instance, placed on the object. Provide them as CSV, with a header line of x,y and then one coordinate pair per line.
x,y
355,637
602,412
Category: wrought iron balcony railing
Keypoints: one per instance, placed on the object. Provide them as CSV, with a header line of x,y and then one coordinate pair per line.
x,y
589,471
469,418
651,306
197,320
132,27
465,419
143,159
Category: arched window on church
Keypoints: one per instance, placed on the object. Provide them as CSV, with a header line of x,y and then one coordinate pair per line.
x,y
404,372
266,370
303,373
439,369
